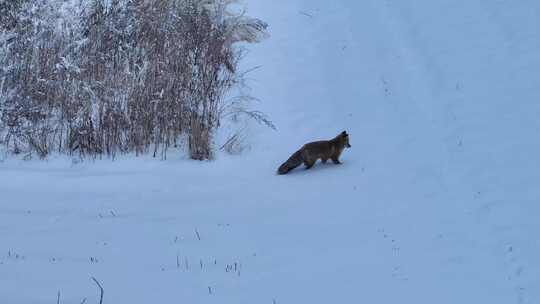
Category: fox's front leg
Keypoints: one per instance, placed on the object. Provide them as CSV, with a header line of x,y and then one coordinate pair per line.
x,y
336,160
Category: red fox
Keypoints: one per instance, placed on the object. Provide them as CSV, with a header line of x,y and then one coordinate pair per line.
x,y
310,152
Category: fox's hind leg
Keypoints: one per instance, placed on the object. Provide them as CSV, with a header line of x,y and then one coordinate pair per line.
x,y
309,163
324,160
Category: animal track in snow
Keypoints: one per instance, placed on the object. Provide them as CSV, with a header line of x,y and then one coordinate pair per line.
x,y
397,272
516,272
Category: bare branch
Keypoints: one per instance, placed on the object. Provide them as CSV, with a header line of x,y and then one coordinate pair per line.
x,y
100,290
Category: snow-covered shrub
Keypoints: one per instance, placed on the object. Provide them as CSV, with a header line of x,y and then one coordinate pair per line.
x,y
113,76
9,11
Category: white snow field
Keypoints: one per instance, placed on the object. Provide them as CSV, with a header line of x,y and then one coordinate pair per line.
x,y
437,201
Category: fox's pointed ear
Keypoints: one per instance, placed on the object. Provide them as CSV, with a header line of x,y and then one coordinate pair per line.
x,y
344,133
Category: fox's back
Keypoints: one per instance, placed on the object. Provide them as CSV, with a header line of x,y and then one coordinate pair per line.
x,y
321,148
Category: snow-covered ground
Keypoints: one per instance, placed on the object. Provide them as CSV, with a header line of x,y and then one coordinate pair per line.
x,y
437,201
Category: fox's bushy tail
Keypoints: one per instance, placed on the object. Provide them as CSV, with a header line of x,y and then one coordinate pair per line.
x,y
294,161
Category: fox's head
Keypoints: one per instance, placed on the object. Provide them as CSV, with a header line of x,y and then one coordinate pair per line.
x,y
344,139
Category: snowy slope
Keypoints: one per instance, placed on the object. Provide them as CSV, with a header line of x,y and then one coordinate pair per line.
x,y
436,202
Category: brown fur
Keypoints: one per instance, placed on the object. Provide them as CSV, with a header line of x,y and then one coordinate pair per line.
x,y
311,152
